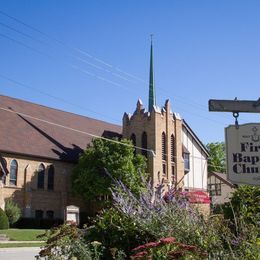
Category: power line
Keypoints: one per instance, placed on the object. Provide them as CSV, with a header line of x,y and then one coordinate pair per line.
x,y
70,55
72,129
66,63
82,70
95,136
21,33
89,73
90,56
67,46
83,60
25,45
54,97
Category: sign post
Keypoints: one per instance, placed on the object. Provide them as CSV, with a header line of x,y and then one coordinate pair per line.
x,y
242,141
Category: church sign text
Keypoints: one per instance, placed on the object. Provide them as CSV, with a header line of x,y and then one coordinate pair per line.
x,y
243,153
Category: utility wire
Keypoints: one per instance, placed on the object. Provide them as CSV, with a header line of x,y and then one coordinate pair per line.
x,y
21,33
69,55
68,64
73,129
87,133
89,73
54,97
68,46
91,56
82,60
96,136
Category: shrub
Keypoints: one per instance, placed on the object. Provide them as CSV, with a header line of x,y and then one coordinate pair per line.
x,y
66,242
13,212
244,203
167,248
177,218
116,232
4,223
139,220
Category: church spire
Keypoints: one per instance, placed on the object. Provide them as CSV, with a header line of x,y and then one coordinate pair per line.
x,y
151,80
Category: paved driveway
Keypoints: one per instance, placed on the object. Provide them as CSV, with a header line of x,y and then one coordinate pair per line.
x,y
19,253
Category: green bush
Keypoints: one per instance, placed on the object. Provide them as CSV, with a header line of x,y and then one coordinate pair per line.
x,y
13,212
67,242
116,231
245,203
149,226
4,223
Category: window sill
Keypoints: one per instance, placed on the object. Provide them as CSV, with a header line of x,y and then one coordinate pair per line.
x,y
12,187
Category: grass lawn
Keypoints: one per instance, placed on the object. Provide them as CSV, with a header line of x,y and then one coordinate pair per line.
x,y
23,234
22,245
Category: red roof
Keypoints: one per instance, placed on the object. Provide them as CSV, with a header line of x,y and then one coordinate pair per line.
x,y
23,135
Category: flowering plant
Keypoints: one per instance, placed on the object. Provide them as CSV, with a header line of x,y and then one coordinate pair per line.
x,y
167,248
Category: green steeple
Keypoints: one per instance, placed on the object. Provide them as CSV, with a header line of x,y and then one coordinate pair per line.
x,y
151,81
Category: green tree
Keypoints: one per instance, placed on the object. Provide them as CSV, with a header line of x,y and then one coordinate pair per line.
x,y
217,157
89,178
13,212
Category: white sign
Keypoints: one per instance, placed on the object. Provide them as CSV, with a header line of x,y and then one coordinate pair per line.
x,y
243,153
72,214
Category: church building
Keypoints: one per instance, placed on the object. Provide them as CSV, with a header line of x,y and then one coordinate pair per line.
x,y
39,148
174,152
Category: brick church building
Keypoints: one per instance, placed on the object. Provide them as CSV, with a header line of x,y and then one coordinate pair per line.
x,y
38,150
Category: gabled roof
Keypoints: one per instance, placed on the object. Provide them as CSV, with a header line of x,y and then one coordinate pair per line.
x,y
28,136
184,123
221,176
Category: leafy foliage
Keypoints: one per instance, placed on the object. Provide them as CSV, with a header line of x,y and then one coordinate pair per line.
x,y
4,223
116,232
89,178
157,218
167,248
12,211
66,242
217,157
245,204
131,226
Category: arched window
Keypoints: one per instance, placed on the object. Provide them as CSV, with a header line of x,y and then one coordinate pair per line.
x,y
133,139
164,146
41,172
144,144
3,169
13,172
172,148
51,177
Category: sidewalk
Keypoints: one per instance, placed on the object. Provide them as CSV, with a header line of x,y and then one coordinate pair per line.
x,y
20,242
21,253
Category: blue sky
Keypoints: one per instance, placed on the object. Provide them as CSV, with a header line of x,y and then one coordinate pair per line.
x,y
92,57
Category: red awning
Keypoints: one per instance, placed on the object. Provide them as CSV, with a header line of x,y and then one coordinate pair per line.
x,y
198,197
